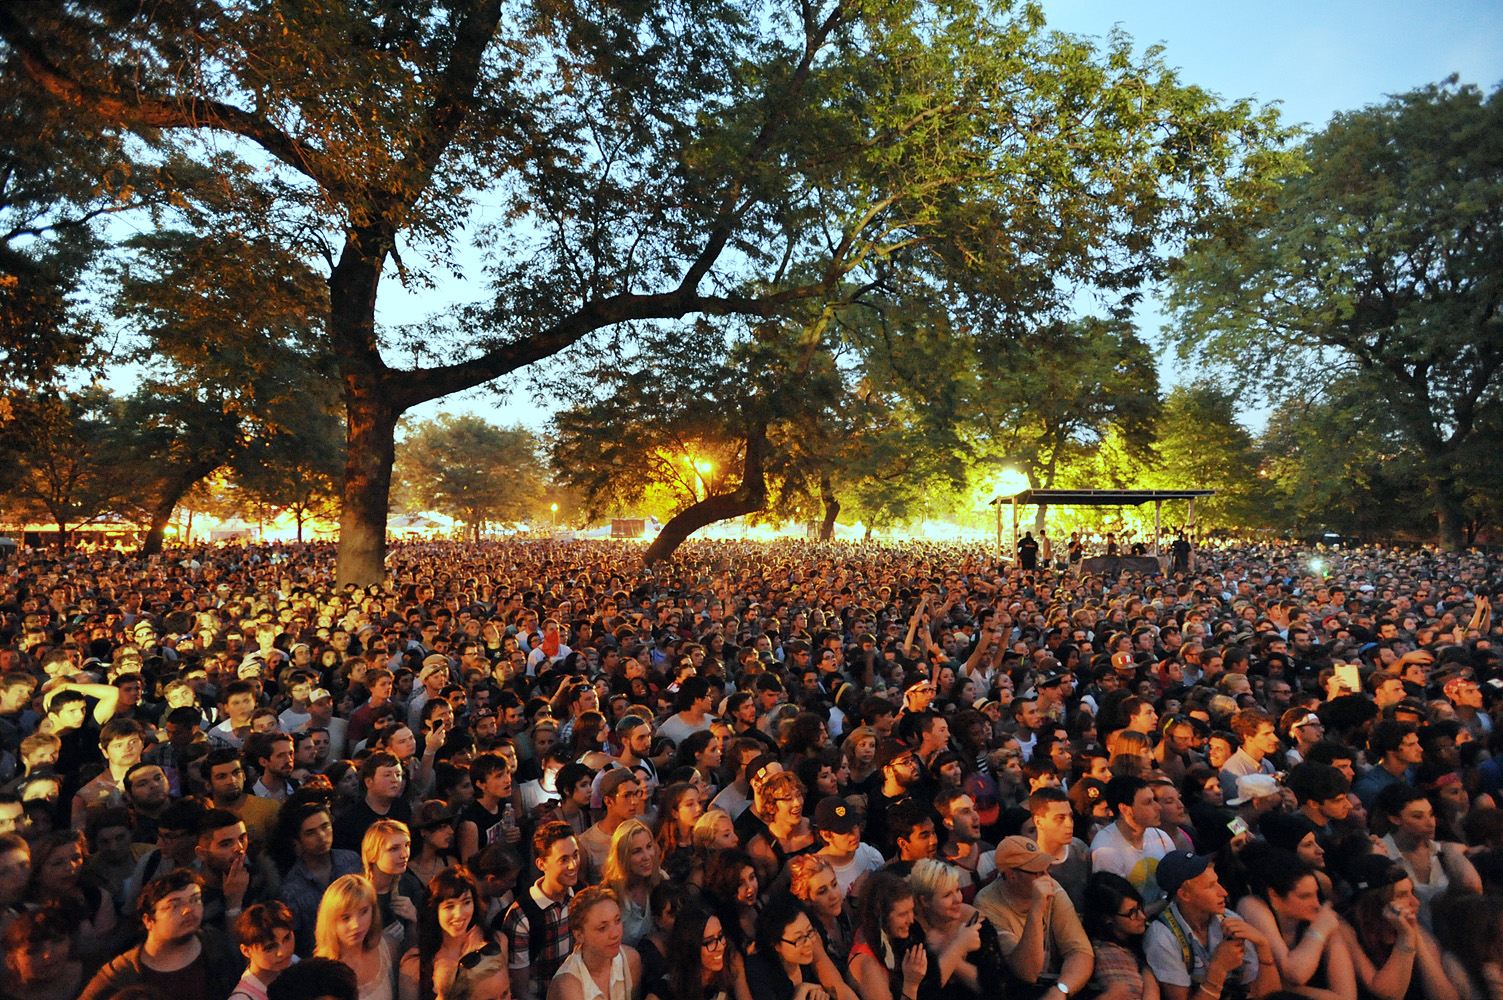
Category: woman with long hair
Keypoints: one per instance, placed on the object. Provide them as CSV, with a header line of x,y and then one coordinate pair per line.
x,y
433,822
632,870
1474,946
1432,866
888,960
587,744
680,808
787,831
964,943
349,931
702,749
698,932
601,967
1394,957
1115,920
668,899
39,963
819,776
344,775
57,860
813,882
384,853
782,967
860,750
732,889
714,831
451,926
1286,906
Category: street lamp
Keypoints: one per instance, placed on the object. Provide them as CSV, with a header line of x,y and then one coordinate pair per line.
x,y
555,515
701,470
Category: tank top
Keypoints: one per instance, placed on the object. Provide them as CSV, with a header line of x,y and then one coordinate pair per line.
x,y
620,981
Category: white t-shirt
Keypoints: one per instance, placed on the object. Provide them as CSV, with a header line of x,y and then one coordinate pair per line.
x,y
866,859
1110,852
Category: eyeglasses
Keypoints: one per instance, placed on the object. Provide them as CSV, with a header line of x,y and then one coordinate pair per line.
x,y
802,939
1133,912
193,902
714,943
474,958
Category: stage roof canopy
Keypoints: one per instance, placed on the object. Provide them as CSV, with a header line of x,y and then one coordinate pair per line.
x,y
1101,498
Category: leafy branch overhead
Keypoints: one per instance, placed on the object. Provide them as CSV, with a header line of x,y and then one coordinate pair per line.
x,y
640,163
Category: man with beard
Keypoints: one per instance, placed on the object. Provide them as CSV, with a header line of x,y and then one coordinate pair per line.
x,y
963,845
148,794
179,958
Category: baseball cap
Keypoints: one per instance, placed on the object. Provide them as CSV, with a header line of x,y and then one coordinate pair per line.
x,y
434,812
1123,661
835,816
1179,867
614,779
1373,871
888,751
319,694
1022,854
1052,678
432,662
1254,786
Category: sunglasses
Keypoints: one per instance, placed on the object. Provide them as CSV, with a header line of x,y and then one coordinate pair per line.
x,y
474,958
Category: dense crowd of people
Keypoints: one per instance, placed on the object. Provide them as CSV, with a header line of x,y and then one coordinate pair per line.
x,y
788,771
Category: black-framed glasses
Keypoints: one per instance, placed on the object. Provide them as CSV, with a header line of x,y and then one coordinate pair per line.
x,y
1133,912
474,958
714,943
802,939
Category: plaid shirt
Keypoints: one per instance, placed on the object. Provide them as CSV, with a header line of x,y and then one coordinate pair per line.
x,y
1116,966
543,949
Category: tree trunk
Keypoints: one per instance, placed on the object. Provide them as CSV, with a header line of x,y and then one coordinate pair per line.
x,y
1449,514
370,438
749,498
298,514
161,514
832,508
868,536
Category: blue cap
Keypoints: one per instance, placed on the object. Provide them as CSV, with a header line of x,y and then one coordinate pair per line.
x,y
1179,867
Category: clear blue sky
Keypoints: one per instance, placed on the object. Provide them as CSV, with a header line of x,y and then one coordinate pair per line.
x,y
1315,57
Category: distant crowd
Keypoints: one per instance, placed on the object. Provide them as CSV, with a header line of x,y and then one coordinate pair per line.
x,y
789,771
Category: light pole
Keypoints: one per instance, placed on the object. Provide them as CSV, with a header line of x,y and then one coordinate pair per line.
x,y
555,515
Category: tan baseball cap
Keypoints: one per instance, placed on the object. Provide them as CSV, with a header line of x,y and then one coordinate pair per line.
x,y
1023,854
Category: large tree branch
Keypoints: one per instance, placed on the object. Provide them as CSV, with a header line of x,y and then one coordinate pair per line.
x,y
456,92
727,214
174,112
412,387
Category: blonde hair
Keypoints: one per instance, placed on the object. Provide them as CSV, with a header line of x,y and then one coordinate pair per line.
x,y
616,871
583,902
929,878
803,868
344,894
377,836
704,827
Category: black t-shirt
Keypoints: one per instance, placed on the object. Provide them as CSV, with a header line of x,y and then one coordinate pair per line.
x,y
486,822
351,824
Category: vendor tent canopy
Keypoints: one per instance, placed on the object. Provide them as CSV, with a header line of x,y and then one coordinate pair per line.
x,y
1095,498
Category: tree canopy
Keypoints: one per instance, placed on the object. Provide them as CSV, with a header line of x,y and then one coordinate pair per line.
x,y
649,162
1373,266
